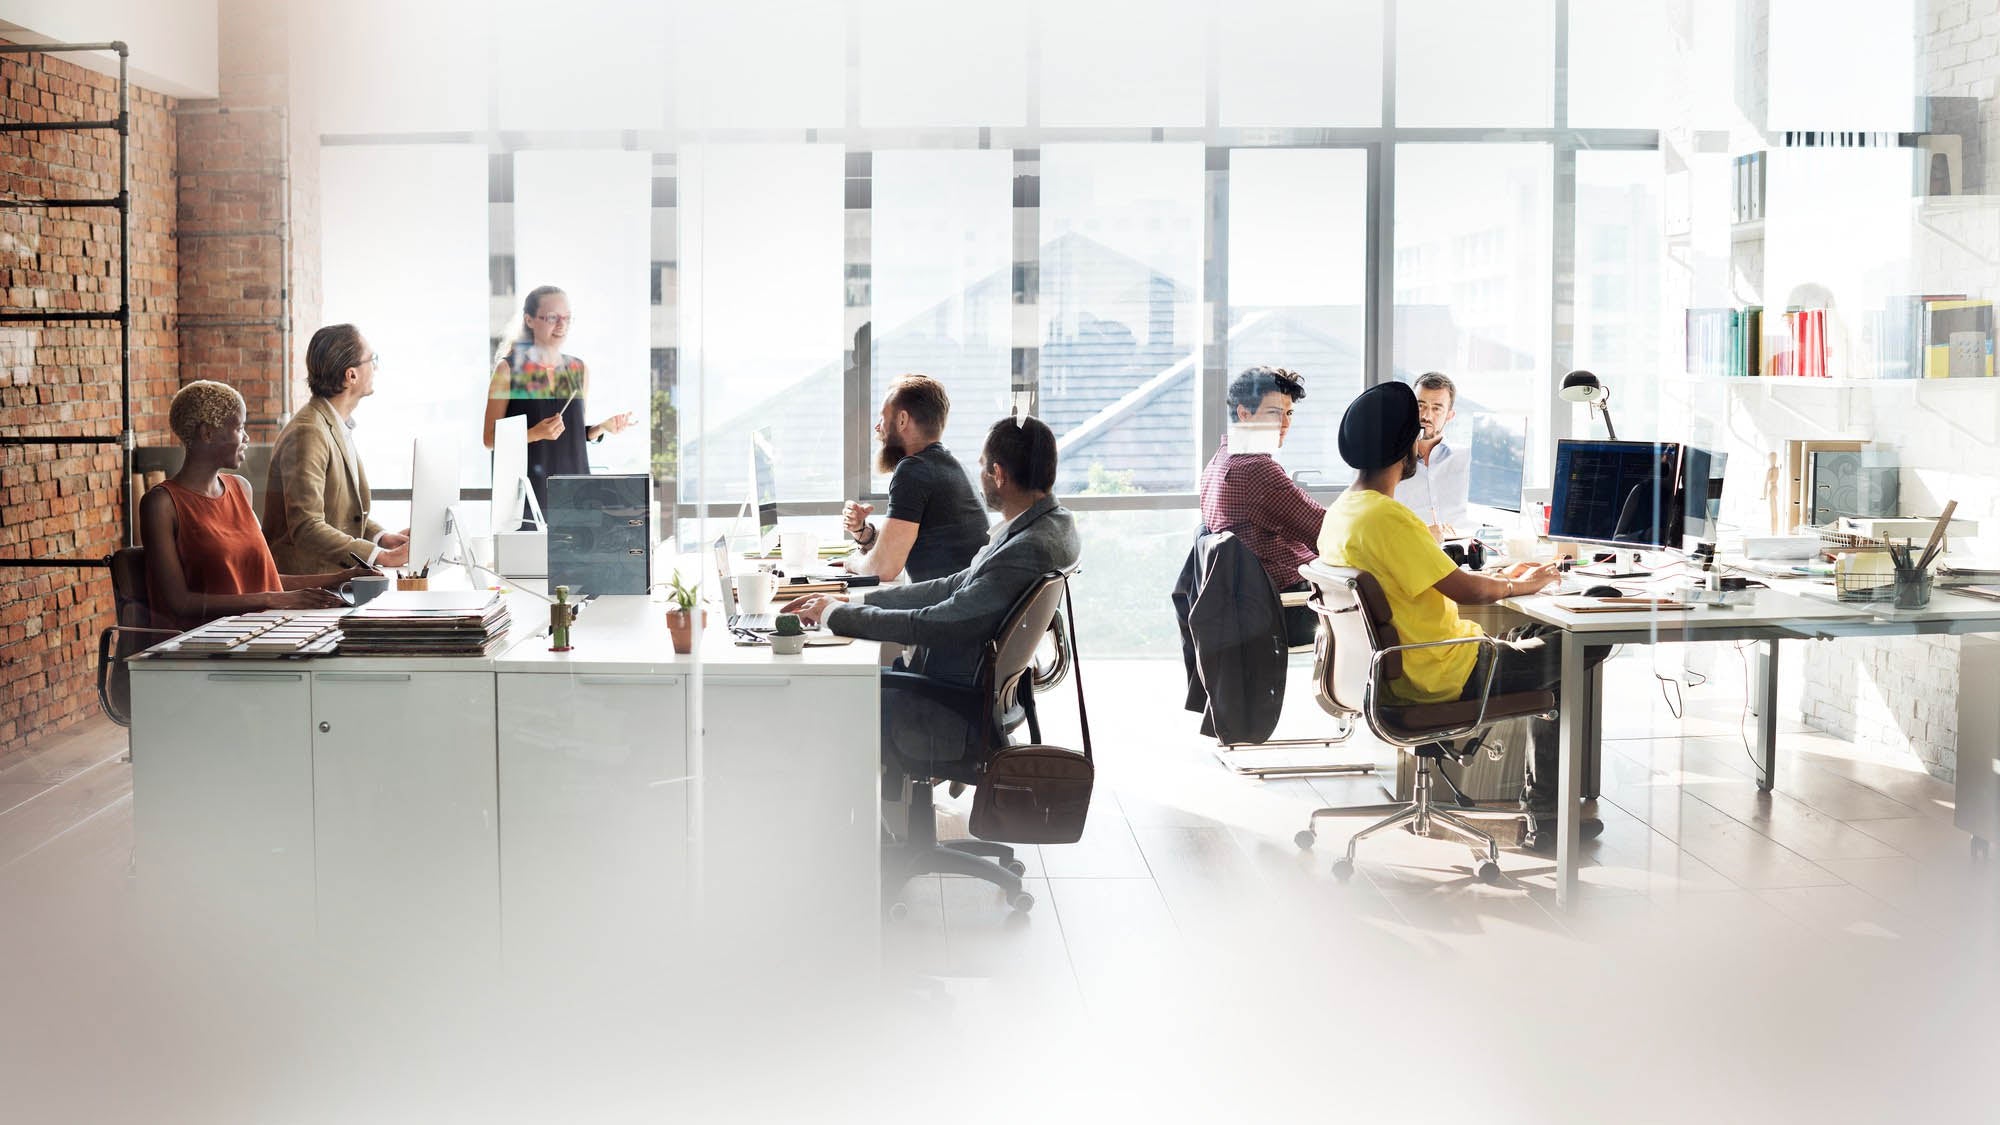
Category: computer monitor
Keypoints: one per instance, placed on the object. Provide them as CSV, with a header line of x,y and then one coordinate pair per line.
x,y
433,491
510,474
1499,458
1617,493
1701,492
764,483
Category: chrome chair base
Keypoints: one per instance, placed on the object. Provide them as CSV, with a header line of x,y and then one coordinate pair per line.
x,y
1424,817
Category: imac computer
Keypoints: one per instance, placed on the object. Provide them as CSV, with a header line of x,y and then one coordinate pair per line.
x,y
1701,492
1620,494
511,493
433,492
1499,457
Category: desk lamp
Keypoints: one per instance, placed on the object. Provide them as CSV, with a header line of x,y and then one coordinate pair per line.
x,y
1584,387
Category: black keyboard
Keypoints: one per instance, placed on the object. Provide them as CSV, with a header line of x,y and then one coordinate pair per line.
x,y
755,622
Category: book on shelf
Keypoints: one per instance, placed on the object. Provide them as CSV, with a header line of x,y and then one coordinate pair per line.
x,y
1724,343
1958,339
1795,345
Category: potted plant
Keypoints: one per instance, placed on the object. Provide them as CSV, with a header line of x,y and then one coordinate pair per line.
x,y
680,618
789,639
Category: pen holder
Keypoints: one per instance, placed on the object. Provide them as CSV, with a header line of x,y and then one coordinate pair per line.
x,y
413,583
1913,588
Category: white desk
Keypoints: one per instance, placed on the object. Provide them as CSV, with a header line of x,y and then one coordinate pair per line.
x,y
559,804
1787,611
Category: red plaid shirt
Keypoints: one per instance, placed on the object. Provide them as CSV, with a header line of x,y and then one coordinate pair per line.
x,y
1249,494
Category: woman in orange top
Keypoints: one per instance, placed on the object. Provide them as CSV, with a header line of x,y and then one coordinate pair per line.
x,y
205,551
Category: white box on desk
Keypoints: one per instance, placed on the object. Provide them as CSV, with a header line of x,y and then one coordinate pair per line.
x,y
1780,546
521,554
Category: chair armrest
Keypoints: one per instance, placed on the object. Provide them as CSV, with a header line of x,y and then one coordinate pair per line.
x,y
964,699
1485,687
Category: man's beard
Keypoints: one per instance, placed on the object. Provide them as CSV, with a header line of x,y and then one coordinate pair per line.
x,y
990,492
892,455
1410,464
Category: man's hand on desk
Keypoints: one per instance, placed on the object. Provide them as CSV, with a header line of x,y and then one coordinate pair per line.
x,y
813,607
1529,578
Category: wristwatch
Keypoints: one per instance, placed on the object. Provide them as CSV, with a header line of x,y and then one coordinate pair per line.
x,y
597,438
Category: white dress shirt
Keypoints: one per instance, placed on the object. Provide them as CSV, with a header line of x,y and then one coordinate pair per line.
x,y
1438,492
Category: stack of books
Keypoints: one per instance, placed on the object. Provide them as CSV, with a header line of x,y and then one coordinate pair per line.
x,y
427,623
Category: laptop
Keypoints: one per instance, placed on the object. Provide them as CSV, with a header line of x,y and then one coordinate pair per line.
x,y
724,576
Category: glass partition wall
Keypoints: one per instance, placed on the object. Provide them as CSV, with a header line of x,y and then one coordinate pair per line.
x,y
975,198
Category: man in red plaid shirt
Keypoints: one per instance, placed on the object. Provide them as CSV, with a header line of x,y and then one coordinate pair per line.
x,y
1250,495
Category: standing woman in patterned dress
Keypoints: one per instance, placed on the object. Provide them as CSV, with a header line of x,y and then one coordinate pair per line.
x,y
532,376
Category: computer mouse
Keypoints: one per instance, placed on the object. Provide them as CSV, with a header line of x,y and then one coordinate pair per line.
x,y
1604,592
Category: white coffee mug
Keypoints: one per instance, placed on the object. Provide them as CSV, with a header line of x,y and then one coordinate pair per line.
x,y
753,592
365,588
800,550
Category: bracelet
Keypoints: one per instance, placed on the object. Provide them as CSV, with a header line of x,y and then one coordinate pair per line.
x,y
868,543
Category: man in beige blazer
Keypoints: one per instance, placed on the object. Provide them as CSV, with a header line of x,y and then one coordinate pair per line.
x,y
316,501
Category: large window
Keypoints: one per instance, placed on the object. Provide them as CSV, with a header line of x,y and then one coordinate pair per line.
x,y
1121,268
941,283
1298,240
1475,62
1620,330
1472,277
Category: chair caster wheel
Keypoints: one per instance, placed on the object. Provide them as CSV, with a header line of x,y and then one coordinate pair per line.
x,y
1532,841
898,911
1305,839
1981,848
1015,866
1022,902
1343,870
1488,872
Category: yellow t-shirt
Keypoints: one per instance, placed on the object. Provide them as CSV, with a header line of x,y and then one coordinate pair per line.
x,y
1369,531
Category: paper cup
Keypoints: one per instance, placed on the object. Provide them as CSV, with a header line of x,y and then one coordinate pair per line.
x,y
753,592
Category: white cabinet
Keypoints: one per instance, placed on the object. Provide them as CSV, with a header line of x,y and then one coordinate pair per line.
x,y
790,866
222,804
594,797
405,815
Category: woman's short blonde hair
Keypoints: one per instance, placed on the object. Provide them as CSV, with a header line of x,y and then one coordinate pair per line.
x,y
203,402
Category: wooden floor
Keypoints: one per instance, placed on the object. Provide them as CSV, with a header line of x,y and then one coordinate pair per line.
x,y
1190,875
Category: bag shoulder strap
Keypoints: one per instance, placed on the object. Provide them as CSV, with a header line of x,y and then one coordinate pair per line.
x,y
1076,670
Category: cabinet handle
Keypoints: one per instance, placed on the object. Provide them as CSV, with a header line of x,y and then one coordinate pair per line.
x,y
636,680
325,727
254,677
365,677
749,681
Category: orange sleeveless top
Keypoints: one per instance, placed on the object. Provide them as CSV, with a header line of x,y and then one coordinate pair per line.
x,y
220,544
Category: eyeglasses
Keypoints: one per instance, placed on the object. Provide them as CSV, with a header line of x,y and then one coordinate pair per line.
x,y
374,360
555,318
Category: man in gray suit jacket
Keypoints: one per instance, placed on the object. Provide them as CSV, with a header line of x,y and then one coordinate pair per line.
x,y
946,621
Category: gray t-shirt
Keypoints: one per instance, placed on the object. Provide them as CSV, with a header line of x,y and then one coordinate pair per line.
x,y
930,489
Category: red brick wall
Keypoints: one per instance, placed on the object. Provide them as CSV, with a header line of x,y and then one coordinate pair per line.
x,y
68,501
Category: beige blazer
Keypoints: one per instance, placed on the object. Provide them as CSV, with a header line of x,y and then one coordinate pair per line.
x,y
316,502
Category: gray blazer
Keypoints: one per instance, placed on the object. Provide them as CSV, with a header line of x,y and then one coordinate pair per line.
x,y
949,619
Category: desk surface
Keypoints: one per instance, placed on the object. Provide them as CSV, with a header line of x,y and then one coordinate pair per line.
x,y
1803,608
628,635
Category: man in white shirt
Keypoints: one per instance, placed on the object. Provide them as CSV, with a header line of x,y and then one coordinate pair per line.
x,y
1444,473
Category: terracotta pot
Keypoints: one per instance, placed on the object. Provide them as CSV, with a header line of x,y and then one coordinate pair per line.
x,y
680,626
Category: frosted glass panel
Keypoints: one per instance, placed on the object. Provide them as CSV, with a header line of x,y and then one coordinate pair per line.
x,y
1472,276
1298,244
1474,62
760,64
1124,62
1843,64
1864,194
1618,50
761,299
429,76
583,222
942,283
923,64
583,65
1303,65
1620,332
1121,231
403,257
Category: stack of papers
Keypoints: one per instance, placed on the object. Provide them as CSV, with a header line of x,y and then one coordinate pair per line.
x,y
427,623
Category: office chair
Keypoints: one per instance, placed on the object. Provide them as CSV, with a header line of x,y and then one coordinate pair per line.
x,y
1000,698
1363,654
130,634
